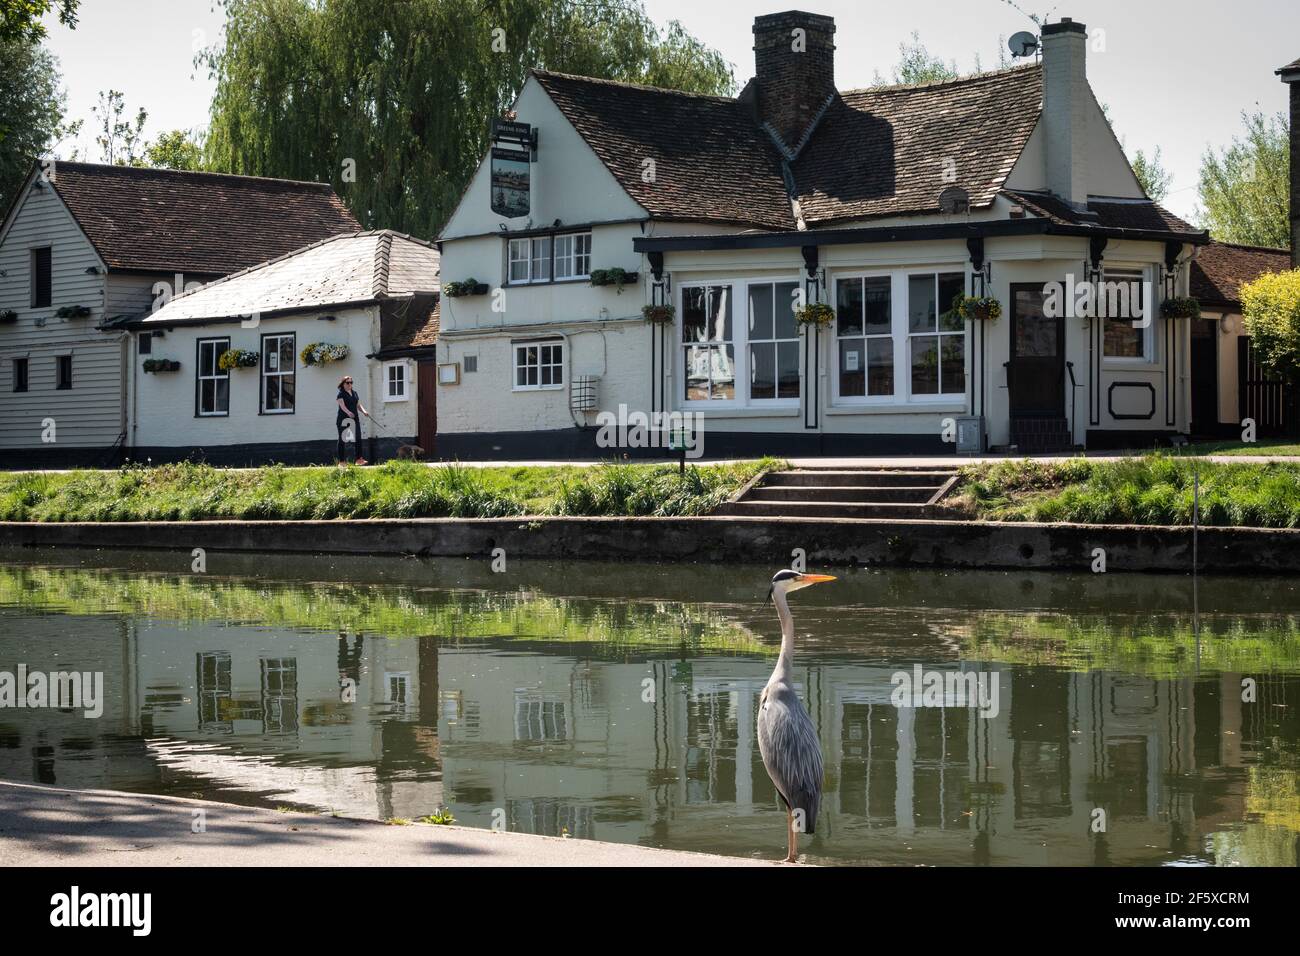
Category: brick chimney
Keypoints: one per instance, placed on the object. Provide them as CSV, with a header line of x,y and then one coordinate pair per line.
x,y
794,62
1291,77
1066,100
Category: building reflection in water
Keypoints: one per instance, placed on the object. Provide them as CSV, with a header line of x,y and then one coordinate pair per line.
x,y
658,748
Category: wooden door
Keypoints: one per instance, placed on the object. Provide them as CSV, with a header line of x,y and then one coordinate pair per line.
x,y
426,396
1036,372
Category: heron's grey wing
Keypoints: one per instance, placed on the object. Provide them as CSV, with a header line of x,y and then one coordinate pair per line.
x,y
791,752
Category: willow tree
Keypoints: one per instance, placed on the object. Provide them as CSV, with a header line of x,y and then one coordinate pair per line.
x,y
391,101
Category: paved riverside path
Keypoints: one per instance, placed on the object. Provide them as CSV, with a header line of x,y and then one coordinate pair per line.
x,y
47,826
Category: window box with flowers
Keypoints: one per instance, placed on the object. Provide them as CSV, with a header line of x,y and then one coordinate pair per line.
x,y
237,358
161,365
659,314
977,308
814,315
454,290
73,312
322,353
1183,307
615,277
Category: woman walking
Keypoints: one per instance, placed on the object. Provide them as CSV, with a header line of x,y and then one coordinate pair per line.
x,y
349,402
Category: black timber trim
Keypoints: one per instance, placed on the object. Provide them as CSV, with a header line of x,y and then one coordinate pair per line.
x,y
858,236
1110,401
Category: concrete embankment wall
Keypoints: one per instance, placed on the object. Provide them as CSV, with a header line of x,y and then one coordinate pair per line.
x,y
768,541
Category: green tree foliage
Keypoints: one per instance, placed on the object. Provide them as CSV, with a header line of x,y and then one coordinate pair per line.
x,y
174,149
916,65
21,19
390,101
31,111
119,135
1245,188
1271,312
1151,173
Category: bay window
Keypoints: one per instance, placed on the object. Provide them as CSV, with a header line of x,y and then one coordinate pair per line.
x,y
1122,299
708,347
864,341
897,338
936,334
773,341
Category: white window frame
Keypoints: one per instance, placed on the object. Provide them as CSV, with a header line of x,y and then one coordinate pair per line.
x,y
517,253
748,398
736,287
217,376
405,378
522,346
1142,273
938,333
278,373
901,336
578,254
892,335
529,251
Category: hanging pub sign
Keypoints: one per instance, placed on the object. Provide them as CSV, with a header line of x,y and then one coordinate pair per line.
x,y
513,146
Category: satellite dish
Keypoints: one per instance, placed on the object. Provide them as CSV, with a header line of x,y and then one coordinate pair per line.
x,y
1023,43
953,200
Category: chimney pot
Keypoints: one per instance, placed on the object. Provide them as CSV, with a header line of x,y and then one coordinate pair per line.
x,y
1067,101
794,70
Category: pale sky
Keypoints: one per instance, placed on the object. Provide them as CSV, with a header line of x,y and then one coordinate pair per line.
x,y
1175,74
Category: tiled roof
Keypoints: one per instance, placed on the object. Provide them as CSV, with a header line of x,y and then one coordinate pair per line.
x,y
200,223
355,268
1110,213
874,153
1292,67
1220,268
419,333
884,152
711,161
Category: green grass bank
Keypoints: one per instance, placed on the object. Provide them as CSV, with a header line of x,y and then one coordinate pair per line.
x,y
1150,490
197,492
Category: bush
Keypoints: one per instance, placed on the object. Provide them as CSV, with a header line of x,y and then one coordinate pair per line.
x,y
1271,310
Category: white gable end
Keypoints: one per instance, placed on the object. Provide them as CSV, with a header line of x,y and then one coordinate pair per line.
x,y
568,181
1108,169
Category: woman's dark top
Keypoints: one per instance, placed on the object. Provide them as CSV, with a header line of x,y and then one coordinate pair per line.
x,y
351,400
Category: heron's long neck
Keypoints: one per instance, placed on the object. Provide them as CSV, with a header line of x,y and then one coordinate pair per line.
x,y
785,662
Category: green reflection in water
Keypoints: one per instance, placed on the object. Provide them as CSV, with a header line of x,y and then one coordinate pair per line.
x,y
1163,646
453,614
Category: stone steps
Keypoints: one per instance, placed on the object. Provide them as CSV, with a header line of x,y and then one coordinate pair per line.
x,y
844,493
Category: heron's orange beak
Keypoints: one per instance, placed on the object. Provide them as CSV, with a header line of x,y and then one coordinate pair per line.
x,y
817,578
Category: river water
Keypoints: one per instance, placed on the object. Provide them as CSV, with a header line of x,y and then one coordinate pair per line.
x,y
617,701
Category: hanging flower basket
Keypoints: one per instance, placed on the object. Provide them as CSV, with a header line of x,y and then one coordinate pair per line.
x,y
237,358
322,353
1180,308
7,316
977,308
162,365
615,277
73,312
471,286
659,314
815,315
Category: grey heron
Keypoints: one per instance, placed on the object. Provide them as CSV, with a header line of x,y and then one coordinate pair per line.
x,y
787,738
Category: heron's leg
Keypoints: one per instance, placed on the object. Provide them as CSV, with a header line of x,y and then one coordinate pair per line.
x,y
792,838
